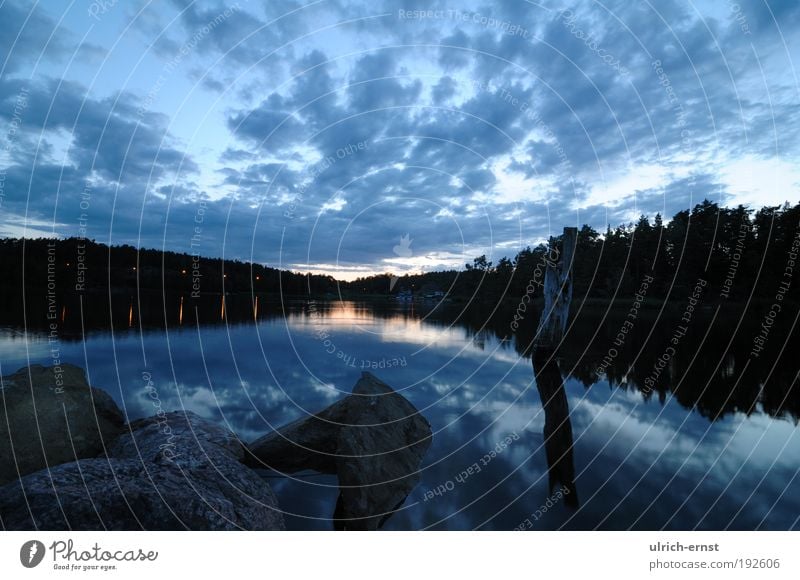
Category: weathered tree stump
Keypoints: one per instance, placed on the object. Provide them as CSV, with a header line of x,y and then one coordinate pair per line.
x,y
557,293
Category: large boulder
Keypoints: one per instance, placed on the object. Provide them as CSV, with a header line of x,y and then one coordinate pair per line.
x,y
49,416
373,440
172,471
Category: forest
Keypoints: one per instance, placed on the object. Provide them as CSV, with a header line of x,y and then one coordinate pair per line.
x,y
740,253
75,265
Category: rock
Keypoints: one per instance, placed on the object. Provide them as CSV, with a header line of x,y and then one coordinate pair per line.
x,y
308,443
377,467
374,440
171,471
53,416
178,437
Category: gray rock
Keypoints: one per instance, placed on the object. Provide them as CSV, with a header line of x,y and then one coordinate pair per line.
x,y
173,471
374,440
308,443
53,416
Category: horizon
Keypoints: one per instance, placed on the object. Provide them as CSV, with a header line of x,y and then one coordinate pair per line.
x,y
406,241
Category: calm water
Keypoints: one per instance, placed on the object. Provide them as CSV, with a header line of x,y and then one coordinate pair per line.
x,y
715,445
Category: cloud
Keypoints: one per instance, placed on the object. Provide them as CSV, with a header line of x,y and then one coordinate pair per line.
x,y
754,181
28,35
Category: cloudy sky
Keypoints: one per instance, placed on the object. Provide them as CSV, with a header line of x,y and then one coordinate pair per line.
x,y
315,135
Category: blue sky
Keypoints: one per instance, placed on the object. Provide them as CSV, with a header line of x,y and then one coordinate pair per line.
x,y
313,136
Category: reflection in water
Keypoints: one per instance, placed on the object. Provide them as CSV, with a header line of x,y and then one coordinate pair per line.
x,y
725,378
557,425
713,444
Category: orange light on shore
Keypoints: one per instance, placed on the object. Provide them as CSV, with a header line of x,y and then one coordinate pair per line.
x,y
130,316
222,308
255,309
180,312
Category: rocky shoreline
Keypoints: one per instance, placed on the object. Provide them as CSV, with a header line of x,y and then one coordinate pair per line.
x,y
69,461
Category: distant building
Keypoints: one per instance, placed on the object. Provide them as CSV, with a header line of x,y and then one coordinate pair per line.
x,y
404,296
431,291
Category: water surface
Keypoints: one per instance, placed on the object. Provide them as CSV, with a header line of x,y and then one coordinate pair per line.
x,y
713,445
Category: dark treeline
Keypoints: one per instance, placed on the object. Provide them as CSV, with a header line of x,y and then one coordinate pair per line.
x,y
737,251
76,284
76,265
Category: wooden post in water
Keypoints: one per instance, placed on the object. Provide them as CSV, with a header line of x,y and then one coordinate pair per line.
x,y
557,292
558,439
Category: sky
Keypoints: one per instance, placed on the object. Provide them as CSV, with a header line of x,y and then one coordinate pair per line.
x,y
352,138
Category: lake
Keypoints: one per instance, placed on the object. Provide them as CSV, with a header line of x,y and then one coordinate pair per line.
x,y
707,438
